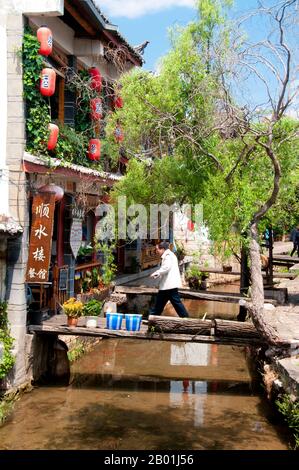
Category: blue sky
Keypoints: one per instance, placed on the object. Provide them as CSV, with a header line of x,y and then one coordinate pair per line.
x,y
140,20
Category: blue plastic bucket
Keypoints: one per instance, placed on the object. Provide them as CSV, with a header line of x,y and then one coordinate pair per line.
x,y
133,321
114,320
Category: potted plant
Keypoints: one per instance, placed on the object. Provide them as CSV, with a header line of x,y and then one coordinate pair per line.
x,y
196,278
92,311
180,251
84,254
73,309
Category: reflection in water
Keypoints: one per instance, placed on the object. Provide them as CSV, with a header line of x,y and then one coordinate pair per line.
x,y
189,354
156,395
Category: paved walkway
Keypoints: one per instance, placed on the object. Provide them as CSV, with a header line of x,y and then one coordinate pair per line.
x,y
285,319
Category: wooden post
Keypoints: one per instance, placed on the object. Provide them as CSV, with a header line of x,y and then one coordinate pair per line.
x,y
270,265
55,297
244,281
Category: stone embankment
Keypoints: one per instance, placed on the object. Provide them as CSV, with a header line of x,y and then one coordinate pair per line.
x,y
283,374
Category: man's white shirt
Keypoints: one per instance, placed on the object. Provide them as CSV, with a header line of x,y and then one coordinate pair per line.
x,y
169,273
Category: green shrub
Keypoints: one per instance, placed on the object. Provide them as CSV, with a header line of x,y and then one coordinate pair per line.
x,y
7,360
290,411
93,308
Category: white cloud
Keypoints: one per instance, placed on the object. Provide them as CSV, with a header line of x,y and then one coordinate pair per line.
x,y
136,8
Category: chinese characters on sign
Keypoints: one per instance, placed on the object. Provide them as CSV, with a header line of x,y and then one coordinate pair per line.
x,y
40,238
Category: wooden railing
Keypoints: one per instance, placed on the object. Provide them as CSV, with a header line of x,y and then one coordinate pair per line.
x,y
83,268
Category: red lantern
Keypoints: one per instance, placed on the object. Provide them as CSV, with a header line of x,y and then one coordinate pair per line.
x,y
94,149
45,37
47,82
190,225
53,137
96,106
96,79
118,102
119,134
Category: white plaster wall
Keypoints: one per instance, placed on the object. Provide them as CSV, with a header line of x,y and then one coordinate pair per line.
x,y
35,7
3,116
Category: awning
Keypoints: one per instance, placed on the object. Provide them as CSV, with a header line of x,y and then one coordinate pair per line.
x,y
49,165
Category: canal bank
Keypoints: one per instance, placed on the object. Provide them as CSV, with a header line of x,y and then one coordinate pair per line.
x,y
281,375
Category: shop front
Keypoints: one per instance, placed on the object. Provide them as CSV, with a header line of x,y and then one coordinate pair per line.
x,y
69,263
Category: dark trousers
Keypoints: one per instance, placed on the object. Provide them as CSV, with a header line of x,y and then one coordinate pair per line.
x,y
173,296
295,248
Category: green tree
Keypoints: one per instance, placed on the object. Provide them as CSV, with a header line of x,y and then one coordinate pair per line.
x,y
189,140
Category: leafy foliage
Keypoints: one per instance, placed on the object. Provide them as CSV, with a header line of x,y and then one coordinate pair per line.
x,y
290,411
171,121
7,361
72,144
92,308
108,268
37,108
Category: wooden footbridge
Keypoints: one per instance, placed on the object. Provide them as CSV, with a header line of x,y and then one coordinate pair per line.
x,y
285,260
164,328
188,294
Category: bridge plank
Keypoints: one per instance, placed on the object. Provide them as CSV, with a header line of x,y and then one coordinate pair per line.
x,y
238,273
187,294
141,335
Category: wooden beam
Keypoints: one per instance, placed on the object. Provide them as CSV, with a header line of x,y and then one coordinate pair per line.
x,y
191,326
235,329
105,333
188,294
82,22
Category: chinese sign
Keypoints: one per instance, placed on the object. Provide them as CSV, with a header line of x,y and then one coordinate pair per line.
x,y
40,238
76,236
78,212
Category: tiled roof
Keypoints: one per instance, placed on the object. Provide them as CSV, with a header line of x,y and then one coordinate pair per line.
x,y
114,30
80,170
9,226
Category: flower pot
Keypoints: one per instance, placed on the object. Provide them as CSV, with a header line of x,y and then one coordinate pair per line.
x,y
133,321
91,321
194,283
72,322
114,320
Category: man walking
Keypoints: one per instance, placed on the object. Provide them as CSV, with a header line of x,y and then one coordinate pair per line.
x,y
295,239
170,281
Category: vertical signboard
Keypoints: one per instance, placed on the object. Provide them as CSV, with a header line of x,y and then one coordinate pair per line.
x,y
43,208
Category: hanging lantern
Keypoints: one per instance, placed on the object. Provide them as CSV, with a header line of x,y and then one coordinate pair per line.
x,y
96,107
96,79
119,134
94,149
53,137
105,198
45,38
190,225
118,102
53,188
47,82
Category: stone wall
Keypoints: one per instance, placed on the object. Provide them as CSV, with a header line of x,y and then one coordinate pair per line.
x,y
17,251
